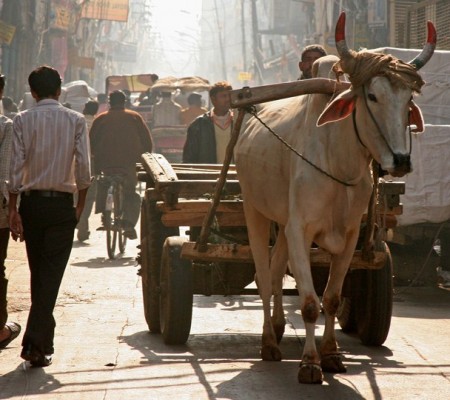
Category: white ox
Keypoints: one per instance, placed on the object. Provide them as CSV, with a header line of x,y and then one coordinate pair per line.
x,y
309,206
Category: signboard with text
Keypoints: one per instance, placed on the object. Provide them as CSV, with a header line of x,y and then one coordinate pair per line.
x,y
245,76
60,13
112,10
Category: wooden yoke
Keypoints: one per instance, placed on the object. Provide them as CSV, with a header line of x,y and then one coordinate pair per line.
x,y
248,96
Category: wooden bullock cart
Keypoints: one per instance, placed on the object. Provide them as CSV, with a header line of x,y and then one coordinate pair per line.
x,y
213,256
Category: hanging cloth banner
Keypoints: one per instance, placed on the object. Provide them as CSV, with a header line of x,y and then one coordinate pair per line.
x,y
6,32
112,10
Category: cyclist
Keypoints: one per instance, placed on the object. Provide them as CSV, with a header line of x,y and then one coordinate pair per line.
x,y
118,138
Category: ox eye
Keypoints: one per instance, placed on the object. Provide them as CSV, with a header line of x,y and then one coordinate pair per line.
x,y
372,97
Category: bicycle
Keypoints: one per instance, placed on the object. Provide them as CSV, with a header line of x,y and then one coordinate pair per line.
x,y
112,215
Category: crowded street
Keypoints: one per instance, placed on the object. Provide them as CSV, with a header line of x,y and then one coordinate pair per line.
x,y
103,349
224,200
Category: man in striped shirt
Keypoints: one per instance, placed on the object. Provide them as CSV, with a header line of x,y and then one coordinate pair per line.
x,y
50,161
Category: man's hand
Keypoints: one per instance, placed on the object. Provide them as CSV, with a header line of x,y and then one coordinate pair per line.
x,y
15,225
80,204
78,211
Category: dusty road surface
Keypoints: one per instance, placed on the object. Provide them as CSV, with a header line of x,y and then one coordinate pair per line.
x,y
103,349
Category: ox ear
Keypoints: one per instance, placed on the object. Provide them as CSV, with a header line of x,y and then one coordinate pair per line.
x,y
341,107
415,117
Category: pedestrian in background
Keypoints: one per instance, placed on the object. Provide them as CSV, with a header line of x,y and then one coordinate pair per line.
x,y
9,107
166,112
310,54
118,139
208,136
83,233
50,161
102,99
193,110
8,330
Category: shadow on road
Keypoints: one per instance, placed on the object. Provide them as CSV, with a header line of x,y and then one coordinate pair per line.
x,y
428,302
251,374
47,382
104,262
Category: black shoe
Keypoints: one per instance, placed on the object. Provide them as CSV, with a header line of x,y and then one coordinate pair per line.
x,y
35,357
43,360
14,329
27,352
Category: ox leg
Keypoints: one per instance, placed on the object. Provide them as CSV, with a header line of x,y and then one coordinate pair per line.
x,y
278,267
332,359
259,233
299,249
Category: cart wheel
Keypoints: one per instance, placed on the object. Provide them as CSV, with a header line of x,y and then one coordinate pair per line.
x,y
176,293
153,234
346,315
374,307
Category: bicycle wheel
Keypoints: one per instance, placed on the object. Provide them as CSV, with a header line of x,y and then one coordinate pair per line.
x,y
110,226
118,218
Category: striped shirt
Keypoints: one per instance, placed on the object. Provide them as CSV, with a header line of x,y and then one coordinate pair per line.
x,y
50,149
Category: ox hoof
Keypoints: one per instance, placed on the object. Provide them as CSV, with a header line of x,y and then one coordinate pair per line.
x,y
310,373
270,353
333,363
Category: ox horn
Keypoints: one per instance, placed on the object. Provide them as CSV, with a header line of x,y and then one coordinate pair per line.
x,y
428,49
339,35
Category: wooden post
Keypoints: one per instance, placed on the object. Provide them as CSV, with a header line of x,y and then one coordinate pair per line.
x,y
201,244
367,247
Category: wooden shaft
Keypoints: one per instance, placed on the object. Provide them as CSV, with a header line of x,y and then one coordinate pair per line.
x,y
254,95
204,234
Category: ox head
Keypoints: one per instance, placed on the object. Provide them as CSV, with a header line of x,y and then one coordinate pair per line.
x,y
380,100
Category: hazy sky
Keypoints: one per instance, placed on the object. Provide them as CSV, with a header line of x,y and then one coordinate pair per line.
x,y
177,21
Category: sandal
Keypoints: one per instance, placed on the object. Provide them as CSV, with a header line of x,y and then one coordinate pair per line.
x,y
15,331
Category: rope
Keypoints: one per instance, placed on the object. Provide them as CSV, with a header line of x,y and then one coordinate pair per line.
x,y
252,111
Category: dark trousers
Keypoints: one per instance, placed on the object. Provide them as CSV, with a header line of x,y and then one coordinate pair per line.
x,y
4,238
49,225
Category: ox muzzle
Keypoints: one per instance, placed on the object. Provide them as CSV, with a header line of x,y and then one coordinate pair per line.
x,y
402,165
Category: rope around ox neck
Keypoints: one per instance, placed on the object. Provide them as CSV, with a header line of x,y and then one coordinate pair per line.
x,y
252,111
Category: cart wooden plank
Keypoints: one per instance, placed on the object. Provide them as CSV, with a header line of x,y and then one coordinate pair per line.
x,y
191,174
192,213
197,218
191,189
160,171
158,168
213,167
242,253
200,205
